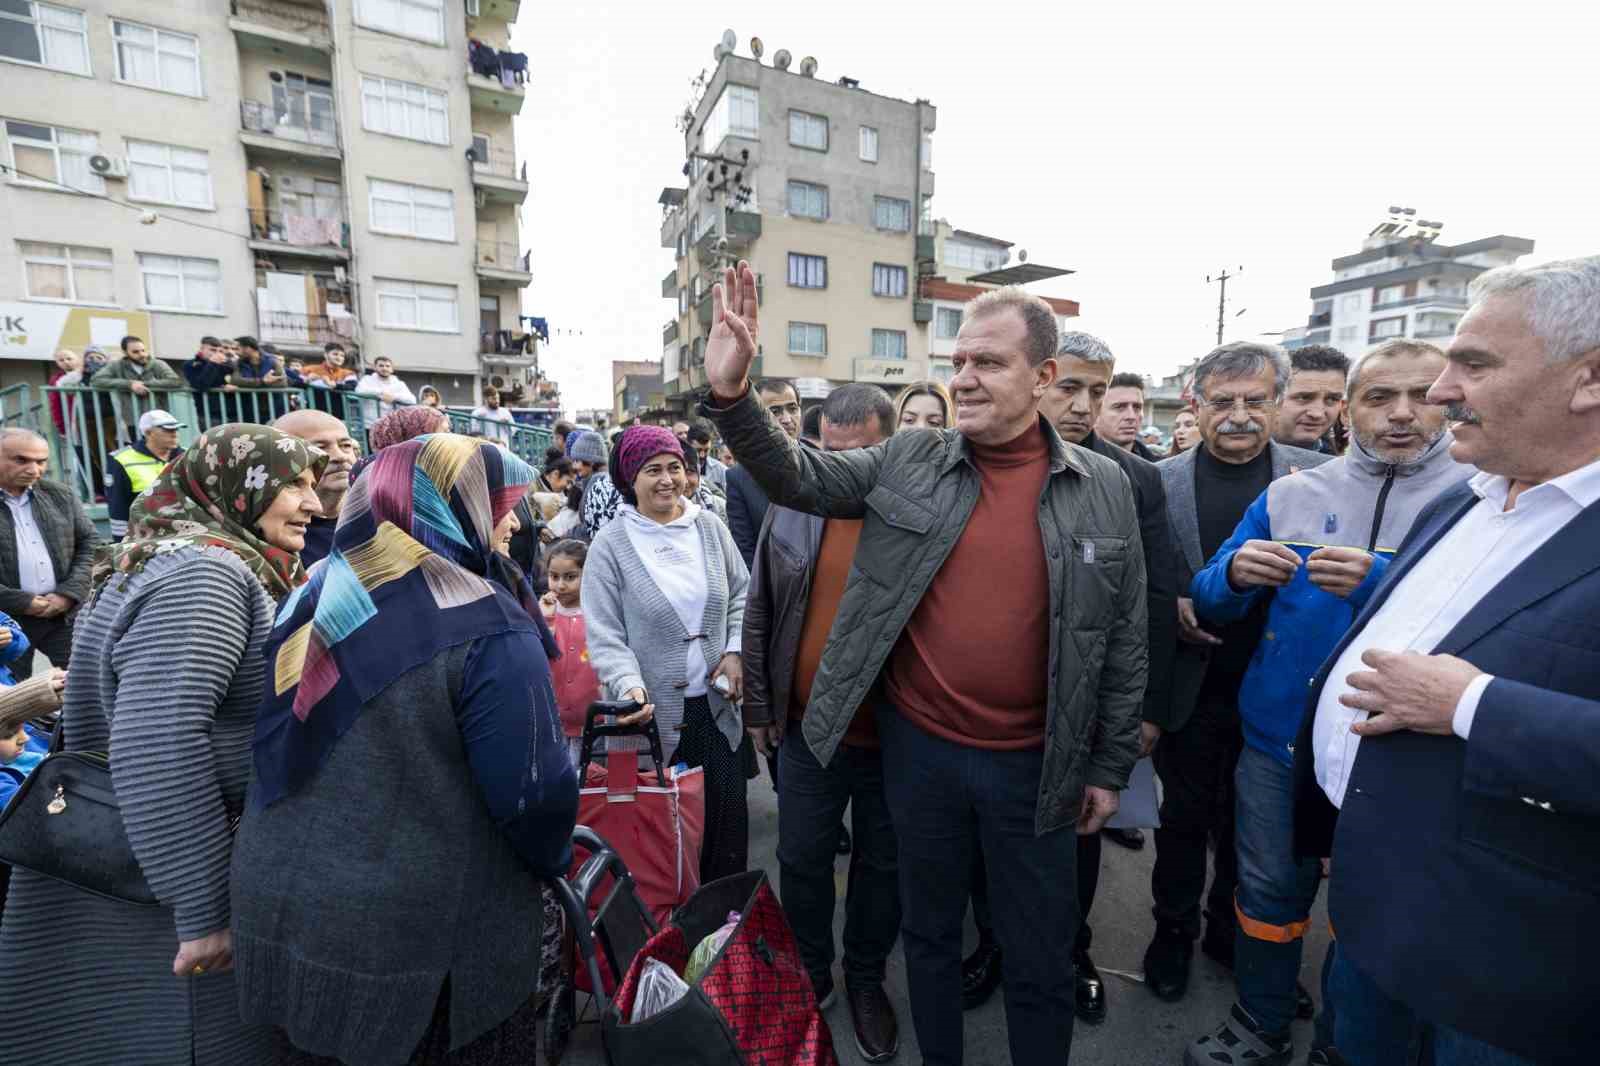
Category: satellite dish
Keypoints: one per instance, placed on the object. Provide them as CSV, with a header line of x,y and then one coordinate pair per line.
x,y
781,60
729,41
720,50
756,47
1022,256
808,66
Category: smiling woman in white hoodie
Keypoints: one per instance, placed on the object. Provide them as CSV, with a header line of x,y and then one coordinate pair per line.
x,y
664,591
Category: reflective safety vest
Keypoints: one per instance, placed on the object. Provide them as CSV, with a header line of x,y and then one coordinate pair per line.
x,y
141,469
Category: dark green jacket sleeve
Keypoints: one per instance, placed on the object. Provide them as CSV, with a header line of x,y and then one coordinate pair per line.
x,y
827,484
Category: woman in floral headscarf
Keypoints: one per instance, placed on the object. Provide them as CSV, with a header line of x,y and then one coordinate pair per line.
x,y
168,680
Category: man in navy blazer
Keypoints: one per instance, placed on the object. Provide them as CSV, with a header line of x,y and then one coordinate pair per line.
x,y
1457,726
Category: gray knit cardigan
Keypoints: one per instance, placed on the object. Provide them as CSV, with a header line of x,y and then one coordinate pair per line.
x,y
637,640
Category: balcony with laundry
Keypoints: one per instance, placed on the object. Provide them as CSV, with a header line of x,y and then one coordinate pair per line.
x,y
289,28
300,312
296,213
495,76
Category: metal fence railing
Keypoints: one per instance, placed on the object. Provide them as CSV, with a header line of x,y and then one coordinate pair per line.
x,y
85,425
501,162
502,255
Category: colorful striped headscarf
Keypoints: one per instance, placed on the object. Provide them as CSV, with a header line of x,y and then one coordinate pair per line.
x,y
409,576
214,494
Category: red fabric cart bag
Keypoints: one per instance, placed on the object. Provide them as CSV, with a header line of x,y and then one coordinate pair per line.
x,y
754,1005
656,830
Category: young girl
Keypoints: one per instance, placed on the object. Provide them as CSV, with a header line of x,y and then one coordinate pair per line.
x,y
575,681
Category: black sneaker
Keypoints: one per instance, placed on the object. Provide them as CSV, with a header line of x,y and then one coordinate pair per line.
x,y
980,975
1166,962
1239,1041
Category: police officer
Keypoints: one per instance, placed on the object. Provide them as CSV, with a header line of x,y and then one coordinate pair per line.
x,y
132,469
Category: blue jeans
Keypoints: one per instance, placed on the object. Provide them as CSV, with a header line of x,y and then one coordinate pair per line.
x,y
946,800
811,801
1275,890
1370,1029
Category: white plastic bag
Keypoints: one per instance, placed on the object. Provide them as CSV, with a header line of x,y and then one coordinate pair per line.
x,y
659,988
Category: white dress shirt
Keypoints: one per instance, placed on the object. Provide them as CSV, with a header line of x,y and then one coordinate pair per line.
x,y
1466,564
36,574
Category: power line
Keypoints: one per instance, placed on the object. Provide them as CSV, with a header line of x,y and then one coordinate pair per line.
x,y
7,169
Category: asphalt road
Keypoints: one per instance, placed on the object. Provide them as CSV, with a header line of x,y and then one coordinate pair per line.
x,y
1139,1029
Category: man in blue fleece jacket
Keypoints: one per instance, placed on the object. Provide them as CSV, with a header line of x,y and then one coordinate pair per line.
x,y
1315,543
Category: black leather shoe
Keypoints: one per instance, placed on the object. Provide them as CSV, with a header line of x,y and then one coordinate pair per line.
x,y
1218,943
980,975
1091,991
1132,839
876,1028
1166,963
1304,1009
844,841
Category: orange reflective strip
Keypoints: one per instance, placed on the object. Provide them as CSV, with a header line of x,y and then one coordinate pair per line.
x,y
1276,934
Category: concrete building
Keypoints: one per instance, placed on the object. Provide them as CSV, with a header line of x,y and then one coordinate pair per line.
x,y
304,171
1402,283
638,392
827,188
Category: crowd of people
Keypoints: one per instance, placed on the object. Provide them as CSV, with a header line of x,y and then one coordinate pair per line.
x,y
1344,618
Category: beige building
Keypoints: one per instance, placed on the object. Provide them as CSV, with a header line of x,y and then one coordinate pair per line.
x,y
302,171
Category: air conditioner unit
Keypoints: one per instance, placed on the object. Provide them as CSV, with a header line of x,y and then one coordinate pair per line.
x,y
107,166
472,7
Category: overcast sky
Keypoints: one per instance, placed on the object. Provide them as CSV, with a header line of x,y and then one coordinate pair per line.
x,y
1143,146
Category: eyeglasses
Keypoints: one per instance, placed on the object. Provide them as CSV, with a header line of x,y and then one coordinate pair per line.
x,y
1224,404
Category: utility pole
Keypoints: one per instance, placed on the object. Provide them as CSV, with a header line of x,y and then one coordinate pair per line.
x,y
1222,296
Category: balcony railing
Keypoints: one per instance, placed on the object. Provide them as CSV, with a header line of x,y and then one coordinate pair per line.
x,y
670,334
319,129
290,327
501,163
503,255
299,230
308,19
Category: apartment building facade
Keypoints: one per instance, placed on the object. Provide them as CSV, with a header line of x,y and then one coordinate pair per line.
x,y
837,223
304,171
1402,283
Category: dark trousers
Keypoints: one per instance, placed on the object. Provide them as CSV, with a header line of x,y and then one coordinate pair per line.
x,y
51,637
1196,765
947,801
1088,884
811,802
725,850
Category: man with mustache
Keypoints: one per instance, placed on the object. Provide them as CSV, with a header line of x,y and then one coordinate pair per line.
x,y
1451,741
1236,393
329,434
1310,549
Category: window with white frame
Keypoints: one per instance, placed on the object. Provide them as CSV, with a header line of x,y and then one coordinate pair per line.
x,y
156,59
808,338
402,109
808,271
168,174
966,255
1384,328
683,243
704,223
869,144
946,323
412,211
1345,336
415,305
44,34
66,272
179,283
888,280
889,213
927,150
808,131
807,200
49,155
888,344
305,103
737,113
1389,294
421,19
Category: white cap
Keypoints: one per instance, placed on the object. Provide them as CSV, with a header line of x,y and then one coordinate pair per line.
x,y
157,419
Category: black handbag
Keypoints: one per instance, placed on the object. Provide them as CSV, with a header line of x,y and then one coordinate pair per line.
x,y
64,823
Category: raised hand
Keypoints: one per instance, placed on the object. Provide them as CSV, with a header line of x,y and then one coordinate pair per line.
x,y
731,346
